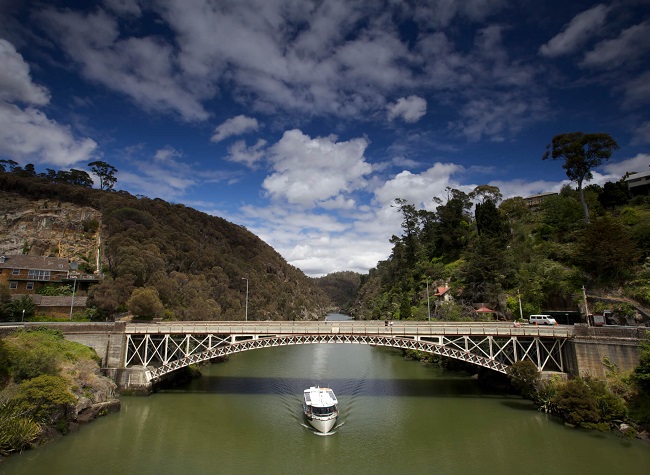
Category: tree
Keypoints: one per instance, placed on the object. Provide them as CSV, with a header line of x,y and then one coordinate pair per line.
x,y
105,172
581,153
145,303
525,377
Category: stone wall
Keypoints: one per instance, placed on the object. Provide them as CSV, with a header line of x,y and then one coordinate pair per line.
x,y
584,355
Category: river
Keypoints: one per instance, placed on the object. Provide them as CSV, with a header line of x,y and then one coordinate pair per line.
x,y
397,416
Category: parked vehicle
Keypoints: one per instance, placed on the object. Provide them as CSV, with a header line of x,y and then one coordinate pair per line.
x,y
541,320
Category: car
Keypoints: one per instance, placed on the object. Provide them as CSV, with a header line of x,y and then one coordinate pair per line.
x,y
541,320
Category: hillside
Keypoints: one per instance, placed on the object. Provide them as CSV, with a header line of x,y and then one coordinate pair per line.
x,y
498,254
164,260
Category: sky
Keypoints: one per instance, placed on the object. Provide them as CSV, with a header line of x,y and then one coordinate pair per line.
x,y
304,120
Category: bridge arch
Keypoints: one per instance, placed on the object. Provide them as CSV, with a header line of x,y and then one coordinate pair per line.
x,y
166,355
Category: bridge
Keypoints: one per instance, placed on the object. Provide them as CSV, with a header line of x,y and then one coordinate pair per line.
x,y
137,355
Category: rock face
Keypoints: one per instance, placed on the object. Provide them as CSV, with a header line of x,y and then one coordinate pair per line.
x,y
48,228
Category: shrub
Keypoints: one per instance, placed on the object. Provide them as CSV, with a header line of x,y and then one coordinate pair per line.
x,y
525,377
45,398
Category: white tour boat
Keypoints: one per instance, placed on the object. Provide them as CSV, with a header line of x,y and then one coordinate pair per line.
x,y
321,408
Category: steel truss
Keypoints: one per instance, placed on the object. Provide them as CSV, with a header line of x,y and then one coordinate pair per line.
x,y
162,354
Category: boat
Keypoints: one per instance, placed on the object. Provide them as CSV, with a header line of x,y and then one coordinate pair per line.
x,y
321,408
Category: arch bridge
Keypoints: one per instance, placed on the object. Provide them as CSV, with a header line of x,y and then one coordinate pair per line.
x,y
160,348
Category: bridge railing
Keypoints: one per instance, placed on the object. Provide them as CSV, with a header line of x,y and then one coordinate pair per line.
x,y
416,329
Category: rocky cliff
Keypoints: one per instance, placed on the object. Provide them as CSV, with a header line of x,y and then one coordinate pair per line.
x,y
42,227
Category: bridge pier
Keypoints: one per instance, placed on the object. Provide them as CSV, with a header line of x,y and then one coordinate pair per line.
x,y
132,380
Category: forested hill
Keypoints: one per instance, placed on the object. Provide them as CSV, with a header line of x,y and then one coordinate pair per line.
x,y
168,260
493,253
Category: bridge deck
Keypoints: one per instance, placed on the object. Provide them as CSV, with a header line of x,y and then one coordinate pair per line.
x,y
414,329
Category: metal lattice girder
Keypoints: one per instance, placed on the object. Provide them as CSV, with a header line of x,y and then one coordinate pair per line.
x,y
162,350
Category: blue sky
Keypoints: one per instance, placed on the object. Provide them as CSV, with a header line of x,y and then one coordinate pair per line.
x,y
304,120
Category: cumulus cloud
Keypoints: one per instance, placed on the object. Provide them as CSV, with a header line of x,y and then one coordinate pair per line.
x,y
239,152
307,171
419,188
632,43
410,109
236,126
637,164
28,134
15,81
576,33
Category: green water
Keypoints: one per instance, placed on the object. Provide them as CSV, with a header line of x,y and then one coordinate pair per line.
x,y
397,416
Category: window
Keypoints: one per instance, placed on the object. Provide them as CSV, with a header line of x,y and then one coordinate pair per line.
x,y
39,275
13,284
15,271
29,286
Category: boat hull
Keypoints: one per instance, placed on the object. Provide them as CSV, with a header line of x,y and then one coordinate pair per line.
x,y
323,424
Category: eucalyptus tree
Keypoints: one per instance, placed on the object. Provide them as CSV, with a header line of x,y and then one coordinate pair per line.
x,y
105,173
581,153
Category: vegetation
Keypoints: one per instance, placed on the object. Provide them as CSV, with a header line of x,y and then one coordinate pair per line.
x,y
42,376
581,153
505,251
192,261
589,402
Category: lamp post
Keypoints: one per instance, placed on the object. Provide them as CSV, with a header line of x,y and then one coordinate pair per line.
x,y
244,278
428,302
74,288
521,313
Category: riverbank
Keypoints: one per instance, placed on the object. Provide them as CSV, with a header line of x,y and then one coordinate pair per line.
x,y
49,387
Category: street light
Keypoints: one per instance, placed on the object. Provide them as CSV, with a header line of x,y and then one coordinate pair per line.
x,y
428,303
521,313
74,288
244,278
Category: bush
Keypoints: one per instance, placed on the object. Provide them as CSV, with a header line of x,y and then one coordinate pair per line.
x,y
525,377
45,399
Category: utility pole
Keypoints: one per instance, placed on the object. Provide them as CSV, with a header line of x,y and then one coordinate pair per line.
x,y
428,303
521,313
584,294
74,288
246,316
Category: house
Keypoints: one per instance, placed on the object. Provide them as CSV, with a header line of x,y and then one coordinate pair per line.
x,y
534,201
26,274
443,294
638,183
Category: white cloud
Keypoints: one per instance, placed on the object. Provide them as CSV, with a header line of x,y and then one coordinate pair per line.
x,y
410,109
308,171
576,33
615,170
15,81
239,152
28,135
143,68
236,126
419,189
632,43
166,154
499,117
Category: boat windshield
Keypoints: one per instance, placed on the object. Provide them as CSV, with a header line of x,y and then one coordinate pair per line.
x,y
323,411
